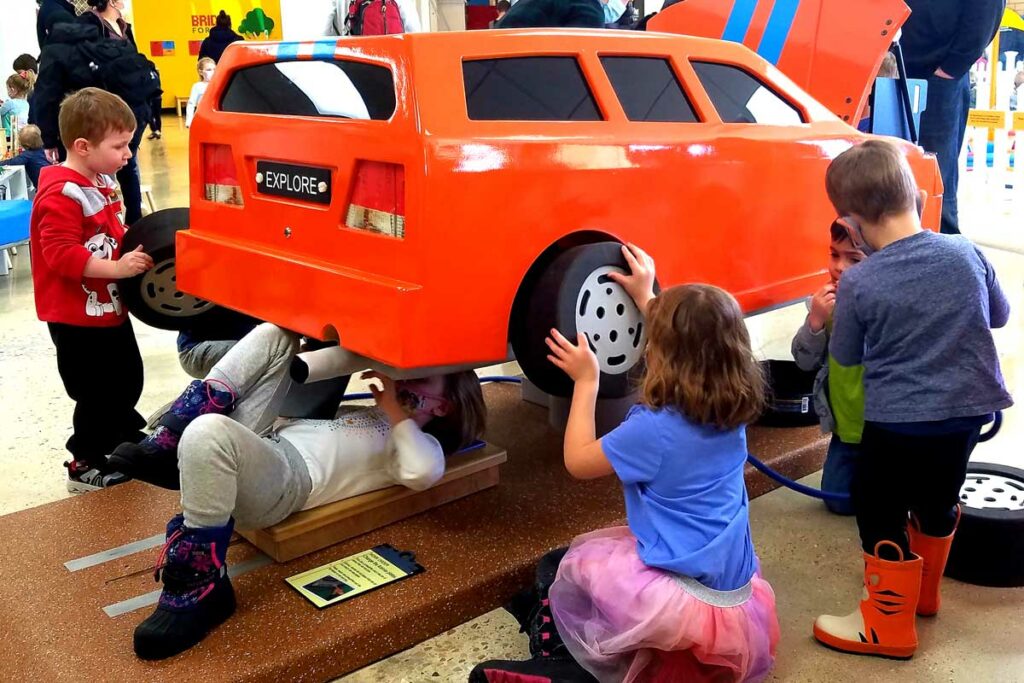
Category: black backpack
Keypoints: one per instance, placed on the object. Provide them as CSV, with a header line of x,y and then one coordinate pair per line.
x,y
117,67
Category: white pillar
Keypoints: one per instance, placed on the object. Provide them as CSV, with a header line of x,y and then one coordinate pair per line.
x,y
448,15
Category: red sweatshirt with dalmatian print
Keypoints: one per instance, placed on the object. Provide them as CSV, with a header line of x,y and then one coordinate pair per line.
x,y
74,220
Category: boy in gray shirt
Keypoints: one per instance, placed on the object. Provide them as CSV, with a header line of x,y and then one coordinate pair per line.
x,y
917,314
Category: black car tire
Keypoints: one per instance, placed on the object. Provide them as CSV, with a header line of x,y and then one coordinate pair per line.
x,y
153,296
571,293
988,547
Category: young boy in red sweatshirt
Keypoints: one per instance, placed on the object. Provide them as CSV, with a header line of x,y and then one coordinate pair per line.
x,y
76,234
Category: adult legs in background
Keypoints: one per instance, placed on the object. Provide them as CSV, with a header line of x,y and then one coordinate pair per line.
x,y
155,120
128,177
943,126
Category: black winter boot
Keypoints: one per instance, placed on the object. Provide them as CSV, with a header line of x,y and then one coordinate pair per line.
x,y
155,459
197,594
550,660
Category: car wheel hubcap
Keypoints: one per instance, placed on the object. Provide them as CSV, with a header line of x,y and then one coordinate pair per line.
x,y
611,321
160,291
994,491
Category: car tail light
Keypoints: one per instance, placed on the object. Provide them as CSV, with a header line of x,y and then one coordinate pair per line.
x,y
378,199
220,180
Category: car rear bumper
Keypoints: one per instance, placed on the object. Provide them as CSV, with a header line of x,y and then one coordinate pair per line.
x,y
367,313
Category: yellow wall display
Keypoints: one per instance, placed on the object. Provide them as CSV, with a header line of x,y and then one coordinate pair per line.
x,y
1018,120
170,34
982,118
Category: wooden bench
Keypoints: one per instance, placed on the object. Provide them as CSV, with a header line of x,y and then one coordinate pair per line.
x,y
180,102
311,530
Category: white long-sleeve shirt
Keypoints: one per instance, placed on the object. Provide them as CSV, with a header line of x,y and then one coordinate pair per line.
x,y
198,90
359,452
339,12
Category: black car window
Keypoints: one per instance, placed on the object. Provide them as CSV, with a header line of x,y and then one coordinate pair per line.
x,y
648,89
333,88
528,89
741,98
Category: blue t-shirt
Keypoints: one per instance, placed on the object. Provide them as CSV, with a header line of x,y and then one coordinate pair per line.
x,y
686,500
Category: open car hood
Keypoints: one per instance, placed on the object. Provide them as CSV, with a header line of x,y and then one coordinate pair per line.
x,y
830,48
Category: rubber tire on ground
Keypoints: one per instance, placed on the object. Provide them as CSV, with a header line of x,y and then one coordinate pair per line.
x,y
790,395
551,303
988,548
155,233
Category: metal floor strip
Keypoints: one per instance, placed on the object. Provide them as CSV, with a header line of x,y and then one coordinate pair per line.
x,y
147,599
114,553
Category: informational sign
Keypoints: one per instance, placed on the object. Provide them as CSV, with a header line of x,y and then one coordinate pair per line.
x,y
986,118
354,575
170,33
1018,120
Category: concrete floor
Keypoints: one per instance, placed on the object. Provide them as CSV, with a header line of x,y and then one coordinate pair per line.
x,y
809,556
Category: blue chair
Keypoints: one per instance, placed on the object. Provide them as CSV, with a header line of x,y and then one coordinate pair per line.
x,y
14,222
887,113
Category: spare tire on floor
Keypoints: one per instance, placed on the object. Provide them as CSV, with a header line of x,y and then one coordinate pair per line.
x,y
153,297
988,548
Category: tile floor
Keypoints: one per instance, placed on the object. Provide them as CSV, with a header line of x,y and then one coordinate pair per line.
x,y
808,555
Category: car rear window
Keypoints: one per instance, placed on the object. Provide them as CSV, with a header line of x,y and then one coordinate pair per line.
x,y
741,98
334,88
528,89
648,89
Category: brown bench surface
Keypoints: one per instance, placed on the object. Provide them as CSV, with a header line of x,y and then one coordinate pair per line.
x,y
477,551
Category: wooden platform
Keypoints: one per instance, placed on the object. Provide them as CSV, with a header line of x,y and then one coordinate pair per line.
x,y
312,530
61,625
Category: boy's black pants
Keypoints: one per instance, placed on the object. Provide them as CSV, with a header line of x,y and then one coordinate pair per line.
x,y
901,473
102,372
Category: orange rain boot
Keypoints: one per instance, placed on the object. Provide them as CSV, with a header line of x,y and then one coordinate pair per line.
x,y
933,551
884,624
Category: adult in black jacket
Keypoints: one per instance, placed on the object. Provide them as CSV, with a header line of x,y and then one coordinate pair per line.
x,y
220,37
563,13
51,13
941,40
73,60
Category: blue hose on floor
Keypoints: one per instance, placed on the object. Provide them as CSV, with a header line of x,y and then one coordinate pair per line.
x,y
758,465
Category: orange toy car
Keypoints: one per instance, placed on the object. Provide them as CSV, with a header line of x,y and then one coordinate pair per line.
x,y
441,200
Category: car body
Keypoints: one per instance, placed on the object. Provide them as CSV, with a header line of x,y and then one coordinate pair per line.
x,y
474,202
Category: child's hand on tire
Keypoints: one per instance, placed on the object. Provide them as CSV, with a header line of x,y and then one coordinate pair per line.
x,y
576,360
639,284
133,263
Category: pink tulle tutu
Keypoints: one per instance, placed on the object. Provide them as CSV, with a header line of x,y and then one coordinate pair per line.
x,y
625,621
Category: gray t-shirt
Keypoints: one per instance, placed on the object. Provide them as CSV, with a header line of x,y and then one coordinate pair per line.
x,y
917,315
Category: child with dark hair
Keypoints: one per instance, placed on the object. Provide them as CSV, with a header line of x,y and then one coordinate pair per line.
x,y
839,395
917,314
222,444
676,595
220,37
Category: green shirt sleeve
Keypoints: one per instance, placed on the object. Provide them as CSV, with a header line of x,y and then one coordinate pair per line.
x,y
846,397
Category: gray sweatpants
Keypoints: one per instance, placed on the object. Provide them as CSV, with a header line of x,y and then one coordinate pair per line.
x,y
227,468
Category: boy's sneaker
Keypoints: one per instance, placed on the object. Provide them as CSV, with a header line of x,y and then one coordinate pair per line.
x,y
84,478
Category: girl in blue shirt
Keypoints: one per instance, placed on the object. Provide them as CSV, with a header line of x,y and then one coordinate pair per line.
x,y
676,595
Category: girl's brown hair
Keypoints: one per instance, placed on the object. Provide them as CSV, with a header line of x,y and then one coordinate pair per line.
x,y
22,84
699,359
203,62
467,415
